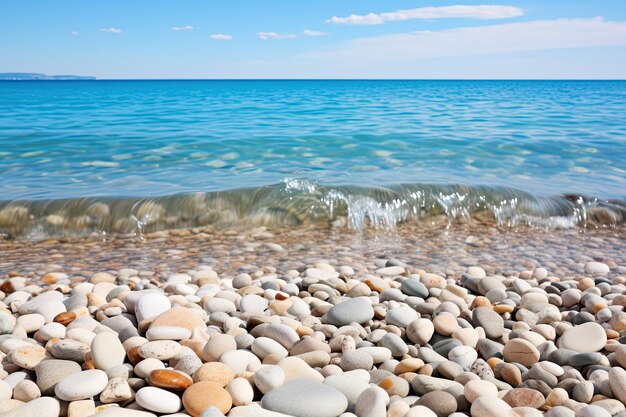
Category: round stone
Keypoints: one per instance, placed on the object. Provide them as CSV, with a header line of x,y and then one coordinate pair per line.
x,y
596,268
216,372
151,305
520,351
463,355
587,337
524,397
158,400
240,391
440,402
107,351
478,388
305,398
445,323
82,385
204,394
356,310
489,407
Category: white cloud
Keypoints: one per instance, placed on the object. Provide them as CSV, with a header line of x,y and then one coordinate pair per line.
x,y
309,32
178,28
73,33
481,40
111,30
221,37
264,36
484,12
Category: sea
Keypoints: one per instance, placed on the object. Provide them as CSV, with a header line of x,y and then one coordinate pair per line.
x,y
94,158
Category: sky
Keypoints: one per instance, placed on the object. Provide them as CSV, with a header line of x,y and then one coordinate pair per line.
x,y
408,39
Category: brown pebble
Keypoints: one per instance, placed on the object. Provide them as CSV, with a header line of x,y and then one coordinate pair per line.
x,y
215,372
169,379
524,397
65,318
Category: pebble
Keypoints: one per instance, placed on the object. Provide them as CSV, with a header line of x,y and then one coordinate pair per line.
x,y
82,385
205,394
587,337
107,351
356,310
520,351
306,398
158,400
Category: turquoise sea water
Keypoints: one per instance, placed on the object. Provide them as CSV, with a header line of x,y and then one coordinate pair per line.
x,y
328,146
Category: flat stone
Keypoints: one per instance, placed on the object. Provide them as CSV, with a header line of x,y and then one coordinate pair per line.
x,y
305,398
356,310
587,337
268,378
50,371
40,407
240,391
216,372
160,349
479,388
82,385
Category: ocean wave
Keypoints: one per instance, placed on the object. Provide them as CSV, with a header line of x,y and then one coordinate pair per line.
x,y
297,201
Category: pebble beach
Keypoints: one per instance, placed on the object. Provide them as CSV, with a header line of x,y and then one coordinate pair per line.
x,y
470,319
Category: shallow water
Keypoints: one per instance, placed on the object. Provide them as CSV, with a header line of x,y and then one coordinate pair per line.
x,y
332,149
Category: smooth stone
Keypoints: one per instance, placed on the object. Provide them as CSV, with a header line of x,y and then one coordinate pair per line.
x,y
179,317
585,358
268,378
82,385
6,391
158,400
479,388
350,384
401,316
490,407
40,407
218,345
440,402
27,357
596,268
241,391
356,359
169,379
463,355
423,384
216,372
372,402
414,287
355,310
253,411
490,321
420,331
160,349
50,371
107,351
204,394
143,368
305,398
520,351
524,397
617,382
592,411
239,360
587,337
167,333
264,346
151,305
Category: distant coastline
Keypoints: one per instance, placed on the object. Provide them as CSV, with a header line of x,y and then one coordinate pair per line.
x,y
31,76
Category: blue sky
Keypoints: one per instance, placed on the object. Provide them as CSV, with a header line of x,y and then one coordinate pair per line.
x,y
315,39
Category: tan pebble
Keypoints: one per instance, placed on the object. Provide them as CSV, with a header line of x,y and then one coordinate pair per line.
x,y
81,408
503,308
215,372
408,365
205,394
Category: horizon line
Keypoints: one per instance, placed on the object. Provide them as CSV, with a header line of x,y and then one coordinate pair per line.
x,y
315,79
